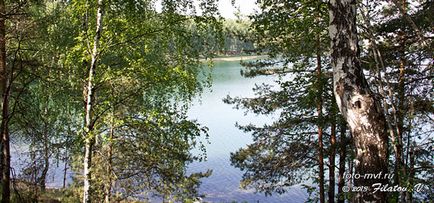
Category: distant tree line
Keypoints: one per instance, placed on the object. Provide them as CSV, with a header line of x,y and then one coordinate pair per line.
x,y
238,38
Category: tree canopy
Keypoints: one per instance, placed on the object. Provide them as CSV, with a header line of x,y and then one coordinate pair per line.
x,y
395,49
102,89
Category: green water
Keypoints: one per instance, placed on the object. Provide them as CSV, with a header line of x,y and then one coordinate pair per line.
x,y
220,118
225,138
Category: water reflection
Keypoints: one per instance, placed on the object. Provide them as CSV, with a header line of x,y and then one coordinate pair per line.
x,y
220,118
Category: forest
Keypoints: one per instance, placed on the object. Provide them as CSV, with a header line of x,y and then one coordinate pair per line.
x,y
99,91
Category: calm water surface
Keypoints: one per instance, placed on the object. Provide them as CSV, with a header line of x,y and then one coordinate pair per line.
x,y
220,118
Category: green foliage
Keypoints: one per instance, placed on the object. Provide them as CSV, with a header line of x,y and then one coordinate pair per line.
x,y
293,33
238,38
397,61
403,72
148,72
290,28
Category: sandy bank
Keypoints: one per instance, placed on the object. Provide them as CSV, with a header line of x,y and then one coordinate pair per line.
x,y
237,58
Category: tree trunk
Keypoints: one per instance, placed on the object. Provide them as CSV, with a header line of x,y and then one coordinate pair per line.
x,y
108,187
331,192
4,129
3,75
89,134
411,170
46,163
66,156
409,155
400,168
65,168
5,151
342,156
400,172
356,102
87,190
351,166
320,129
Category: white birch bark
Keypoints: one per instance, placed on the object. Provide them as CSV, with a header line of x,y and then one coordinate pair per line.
x,y
356,101
89,136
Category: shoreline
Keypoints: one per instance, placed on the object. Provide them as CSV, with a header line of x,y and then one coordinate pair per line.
x,y
236,58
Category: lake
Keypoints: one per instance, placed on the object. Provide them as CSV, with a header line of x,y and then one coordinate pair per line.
x,y
220,118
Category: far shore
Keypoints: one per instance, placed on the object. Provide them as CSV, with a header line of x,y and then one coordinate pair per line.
x,y
237,58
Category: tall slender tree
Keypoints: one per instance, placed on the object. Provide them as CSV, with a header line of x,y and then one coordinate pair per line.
x,y
16,27
89,135
356,101
392,63
4,128
293,33
143,70
397,55
343,141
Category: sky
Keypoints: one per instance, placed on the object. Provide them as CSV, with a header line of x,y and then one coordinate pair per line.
x,y
227,9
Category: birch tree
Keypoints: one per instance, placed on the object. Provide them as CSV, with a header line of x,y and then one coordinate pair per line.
x,y
89,139
356,101
139,65
294,35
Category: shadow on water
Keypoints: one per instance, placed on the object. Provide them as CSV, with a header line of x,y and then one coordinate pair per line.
x,y
220,118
